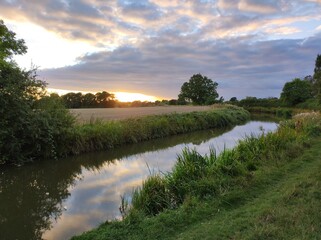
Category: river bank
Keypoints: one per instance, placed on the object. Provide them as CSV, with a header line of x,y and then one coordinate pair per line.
x,y
232,195
102,135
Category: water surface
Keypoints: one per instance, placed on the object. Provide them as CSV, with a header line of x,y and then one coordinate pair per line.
x,y
58,199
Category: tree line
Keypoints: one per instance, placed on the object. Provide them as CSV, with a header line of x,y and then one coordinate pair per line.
x,y
300,92
102,100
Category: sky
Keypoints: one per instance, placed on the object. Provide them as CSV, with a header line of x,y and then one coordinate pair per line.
x,y
151,47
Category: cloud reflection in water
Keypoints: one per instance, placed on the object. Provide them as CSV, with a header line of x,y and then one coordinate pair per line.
x,y
96,196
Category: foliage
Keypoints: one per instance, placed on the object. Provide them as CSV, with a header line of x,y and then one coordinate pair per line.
x,y
296,91
9,45
28,130
200,90
153,193
255,102
312,103
317,78
99,100
317,67
284,113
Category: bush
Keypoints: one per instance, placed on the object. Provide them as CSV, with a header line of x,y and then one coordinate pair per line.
x,y
29,129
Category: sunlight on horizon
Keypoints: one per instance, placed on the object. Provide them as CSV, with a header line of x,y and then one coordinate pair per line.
x,y
130,97
120,96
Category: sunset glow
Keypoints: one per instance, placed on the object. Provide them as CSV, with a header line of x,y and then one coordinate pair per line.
x,y
130,97
120,96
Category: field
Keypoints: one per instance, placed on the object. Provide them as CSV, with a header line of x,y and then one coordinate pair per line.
x,y
86,115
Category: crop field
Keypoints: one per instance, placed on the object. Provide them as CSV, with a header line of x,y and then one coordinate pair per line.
x,y
86,115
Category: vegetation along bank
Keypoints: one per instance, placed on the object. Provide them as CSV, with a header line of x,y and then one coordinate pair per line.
x,y
108,134
268,187
55,134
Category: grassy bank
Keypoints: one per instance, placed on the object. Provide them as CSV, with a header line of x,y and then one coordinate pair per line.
x,y
102,135
268,187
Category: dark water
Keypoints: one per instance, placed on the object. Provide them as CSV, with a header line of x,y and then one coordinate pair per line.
x,y
59,199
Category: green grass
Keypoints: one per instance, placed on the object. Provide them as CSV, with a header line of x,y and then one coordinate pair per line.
x,y
283,203
104,135
268,187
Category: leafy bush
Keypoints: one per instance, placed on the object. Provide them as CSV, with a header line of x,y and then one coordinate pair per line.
x,y
29,129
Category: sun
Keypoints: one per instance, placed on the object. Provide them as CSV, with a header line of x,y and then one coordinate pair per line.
x,y
130,97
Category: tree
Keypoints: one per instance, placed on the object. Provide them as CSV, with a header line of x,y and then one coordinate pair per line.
x,y
296,91
317,78
73,100
29,129
199,90
9,45
105,99
317,68
89,100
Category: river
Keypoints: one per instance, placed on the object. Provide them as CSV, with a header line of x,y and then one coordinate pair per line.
x,y
58,199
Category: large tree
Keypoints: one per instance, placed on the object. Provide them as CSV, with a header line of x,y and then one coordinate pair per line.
x,y
199,90
29,128
296,91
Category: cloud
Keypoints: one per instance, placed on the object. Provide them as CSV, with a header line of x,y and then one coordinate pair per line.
x,y
159,68
282,30
263,7
153,46
317,1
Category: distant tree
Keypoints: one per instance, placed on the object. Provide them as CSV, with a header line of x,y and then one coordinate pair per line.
x,y
317,67
317,78
199,90
136,103
72,100
259,102
233,99
172,102
89,100
105,99
296,91
165,102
